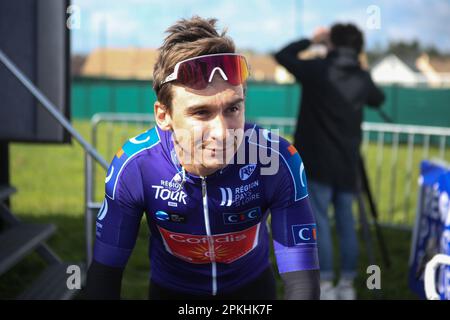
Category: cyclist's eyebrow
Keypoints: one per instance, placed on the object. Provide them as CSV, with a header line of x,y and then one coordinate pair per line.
x,y
203,106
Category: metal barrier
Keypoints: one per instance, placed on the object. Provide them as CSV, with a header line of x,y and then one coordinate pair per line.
x,y
379,139
392,153
91,206
416,143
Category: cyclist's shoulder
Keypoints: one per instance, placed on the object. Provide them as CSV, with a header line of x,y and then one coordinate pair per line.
x,y
125,160
136,147
270,139
285,160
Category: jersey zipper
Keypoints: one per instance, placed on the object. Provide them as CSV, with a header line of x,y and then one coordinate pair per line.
x,y
209,237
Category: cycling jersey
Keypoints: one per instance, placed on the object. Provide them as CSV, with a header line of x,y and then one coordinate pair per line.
x,y
208,235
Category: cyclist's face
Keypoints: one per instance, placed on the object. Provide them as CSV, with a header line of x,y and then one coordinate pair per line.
x,y
204,120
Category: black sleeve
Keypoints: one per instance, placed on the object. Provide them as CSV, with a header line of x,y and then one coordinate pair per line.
x,y
375,97
301,285
103,282
287,57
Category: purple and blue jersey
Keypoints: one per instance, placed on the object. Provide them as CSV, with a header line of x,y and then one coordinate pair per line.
x,y
210,234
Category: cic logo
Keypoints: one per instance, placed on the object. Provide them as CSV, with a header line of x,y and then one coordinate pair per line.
x,y
246,216
304,233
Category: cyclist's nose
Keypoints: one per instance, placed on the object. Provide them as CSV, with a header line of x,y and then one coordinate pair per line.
x,y
218,130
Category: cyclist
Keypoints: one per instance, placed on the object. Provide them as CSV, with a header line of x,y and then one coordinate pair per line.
x,y
207,182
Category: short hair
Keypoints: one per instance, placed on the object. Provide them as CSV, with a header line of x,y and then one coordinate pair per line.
x,y
187,38
347,35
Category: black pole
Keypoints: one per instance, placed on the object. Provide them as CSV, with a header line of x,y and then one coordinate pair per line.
x,y
364,180
364,222
4,167
385,117
4,173
365,230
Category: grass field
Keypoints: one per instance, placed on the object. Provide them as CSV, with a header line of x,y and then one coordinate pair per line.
x,y
50,180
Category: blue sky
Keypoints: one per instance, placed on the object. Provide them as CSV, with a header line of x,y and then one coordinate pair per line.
x,y
260,25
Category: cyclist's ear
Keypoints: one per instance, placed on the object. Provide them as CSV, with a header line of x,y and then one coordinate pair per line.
x,y
162,116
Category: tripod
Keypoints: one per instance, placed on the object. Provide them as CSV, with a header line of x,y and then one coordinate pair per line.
x,y
364,189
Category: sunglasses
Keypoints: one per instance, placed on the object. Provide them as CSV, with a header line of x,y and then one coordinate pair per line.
x,y
196,73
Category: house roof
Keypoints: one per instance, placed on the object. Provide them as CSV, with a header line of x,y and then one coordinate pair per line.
x,y
123,63
76,64
262,67
138,63
440,64
408,62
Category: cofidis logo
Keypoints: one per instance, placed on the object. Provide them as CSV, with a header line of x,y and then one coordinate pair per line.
x,y
304,233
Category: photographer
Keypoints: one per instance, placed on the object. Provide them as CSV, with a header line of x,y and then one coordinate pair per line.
x,y
328,135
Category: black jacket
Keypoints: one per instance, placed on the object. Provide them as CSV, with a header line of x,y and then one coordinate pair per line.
x,y
334,92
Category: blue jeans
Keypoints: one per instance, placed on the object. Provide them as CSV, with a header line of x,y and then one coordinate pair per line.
x,y
321,196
